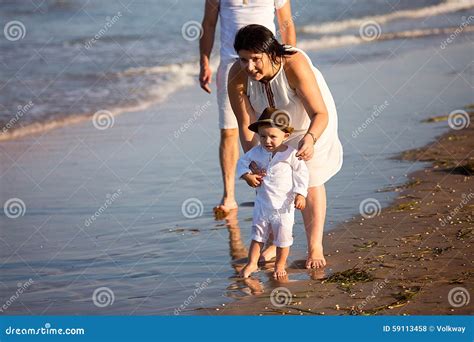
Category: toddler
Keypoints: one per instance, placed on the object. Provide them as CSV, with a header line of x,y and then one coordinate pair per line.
x,y
281,189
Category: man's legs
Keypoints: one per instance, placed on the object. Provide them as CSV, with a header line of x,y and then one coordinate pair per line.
x,y
228,156
229,144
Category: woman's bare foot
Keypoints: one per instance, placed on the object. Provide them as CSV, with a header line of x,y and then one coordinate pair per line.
x,y
248,270
316,258
280,272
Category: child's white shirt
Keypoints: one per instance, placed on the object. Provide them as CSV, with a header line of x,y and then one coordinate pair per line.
x,y
286,176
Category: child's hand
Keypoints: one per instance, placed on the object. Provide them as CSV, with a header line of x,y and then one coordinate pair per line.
x,y
253,180
300,202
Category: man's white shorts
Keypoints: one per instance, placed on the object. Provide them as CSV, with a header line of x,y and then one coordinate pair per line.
x,y
271,220
227,119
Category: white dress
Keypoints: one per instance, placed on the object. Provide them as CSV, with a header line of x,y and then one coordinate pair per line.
x,y
277,93
274,209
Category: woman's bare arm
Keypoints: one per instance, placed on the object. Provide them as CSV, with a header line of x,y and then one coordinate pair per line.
x,y
301,78
241,106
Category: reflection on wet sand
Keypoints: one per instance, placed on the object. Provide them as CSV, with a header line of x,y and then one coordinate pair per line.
x,y
238,254
237,249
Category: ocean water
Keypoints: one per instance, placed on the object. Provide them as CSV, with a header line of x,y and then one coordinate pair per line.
x,y
66,60
144,252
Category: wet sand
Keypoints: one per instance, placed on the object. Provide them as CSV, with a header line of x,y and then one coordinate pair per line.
x,y
405,259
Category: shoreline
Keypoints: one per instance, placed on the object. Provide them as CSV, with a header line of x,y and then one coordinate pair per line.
x,y
410,258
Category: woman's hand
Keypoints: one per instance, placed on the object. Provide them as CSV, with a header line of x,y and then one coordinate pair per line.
x,y
305,148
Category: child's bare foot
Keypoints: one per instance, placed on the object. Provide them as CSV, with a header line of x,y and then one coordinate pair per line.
x,y
248,270
316,258
280,272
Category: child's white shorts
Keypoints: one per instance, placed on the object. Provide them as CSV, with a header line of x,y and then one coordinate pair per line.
x,y
271,220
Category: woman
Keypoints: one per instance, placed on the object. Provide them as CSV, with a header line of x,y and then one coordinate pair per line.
x,y
269,74
234,14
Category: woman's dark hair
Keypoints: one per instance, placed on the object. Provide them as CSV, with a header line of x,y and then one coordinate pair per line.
x,y
258,38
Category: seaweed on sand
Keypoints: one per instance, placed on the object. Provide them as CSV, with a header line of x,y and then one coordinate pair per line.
x,y
346,279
